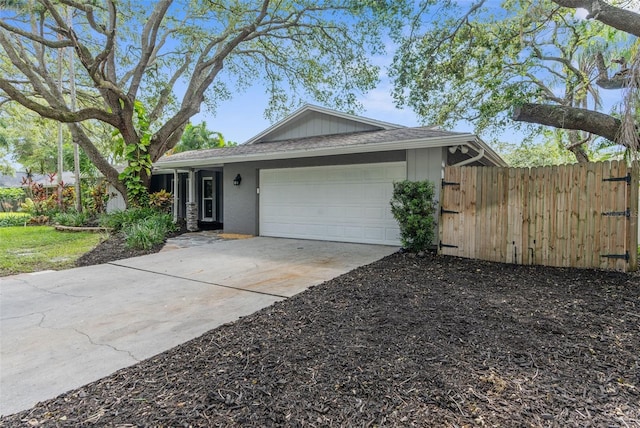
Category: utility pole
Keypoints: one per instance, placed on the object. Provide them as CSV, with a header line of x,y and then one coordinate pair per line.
x,y
76,152
60,153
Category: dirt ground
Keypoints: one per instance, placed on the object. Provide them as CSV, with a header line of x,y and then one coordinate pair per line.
x,y
405,341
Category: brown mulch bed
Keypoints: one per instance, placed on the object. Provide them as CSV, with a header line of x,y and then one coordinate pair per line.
x,y
112,249
115,248
406,341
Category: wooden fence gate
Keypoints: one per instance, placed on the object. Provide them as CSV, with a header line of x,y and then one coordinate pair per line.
x,y
583,215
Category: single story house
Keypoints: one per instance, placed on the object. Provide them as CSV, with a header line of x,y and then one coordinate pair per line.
x,y
317,174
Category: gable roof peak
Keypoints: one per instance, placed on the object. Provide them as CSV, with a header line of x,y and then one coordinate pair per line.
x,y
309,109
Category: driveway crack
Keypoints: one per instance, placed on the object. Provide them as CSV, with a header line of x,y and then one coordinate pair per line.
x,y
44,290
264,293
106,345
42,314
89,338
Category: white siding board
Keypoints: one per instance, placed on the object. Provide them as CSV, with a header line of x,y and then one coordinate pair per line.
x,y
116,201
315,123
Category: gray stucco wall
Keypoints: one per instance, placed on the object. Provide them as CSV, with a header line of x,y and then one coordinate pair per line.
x,y
240,204
428,164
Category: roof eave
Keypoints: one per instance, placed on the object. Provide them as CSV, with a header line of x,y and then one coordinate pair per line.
x,y
442,141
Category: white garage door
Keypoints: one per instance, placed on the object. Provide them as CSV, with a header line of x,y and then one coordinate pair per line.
x,y
347,203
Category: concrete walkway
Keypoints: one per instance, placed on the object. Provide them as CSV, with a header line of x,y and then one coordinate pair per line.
x,y
61,330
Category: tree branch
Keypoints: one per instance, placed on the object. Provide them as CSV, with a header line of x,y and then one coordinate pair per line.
x,y
571,118
563,61
56,113
54,44
163,99
149,38
204,74
549,95
88,10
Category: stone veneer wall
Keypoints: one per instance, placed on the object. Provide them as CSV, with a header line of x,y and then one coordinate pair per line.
x,y
192,216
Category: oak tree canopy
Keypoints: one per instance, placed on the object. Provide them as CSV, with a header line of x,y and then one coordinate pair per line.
x,y
144,69
533,61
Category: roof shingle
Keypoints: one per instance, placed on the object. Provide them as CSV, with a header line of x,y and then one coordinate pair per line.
x,y
311,143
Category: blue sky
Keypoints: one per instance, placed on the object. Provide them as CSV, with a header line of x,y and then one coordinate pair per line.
x,y
242,117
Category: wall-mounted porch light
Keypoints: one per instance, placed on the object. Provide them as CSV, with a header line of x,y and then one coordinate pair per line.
x,y
237,180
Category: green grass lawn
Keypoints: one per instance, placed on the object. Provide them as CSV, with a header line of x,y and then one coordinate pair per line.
x,y
36,248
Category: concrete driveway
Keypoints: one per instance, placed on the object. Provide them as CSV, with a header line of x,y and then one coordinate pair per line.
x,y
61,330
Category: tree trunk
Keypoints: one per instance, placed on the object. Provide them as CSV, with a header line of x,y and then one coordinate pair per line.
x,y
108,171
623,20
571,118
577,147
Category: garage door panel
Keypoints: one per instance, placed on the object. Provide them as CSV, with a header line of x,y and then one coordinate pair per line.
x,y
353,232
378,174
376,233
326,213
375,213
352,212
374,193
338,203
392,234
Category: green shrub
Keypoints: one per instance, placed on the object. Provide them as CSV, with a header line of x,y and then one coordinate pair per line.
x,y
167,221
10,198
144,234
39,207
71,218
95,197
161,201
142,227
120,219
413,207
14,219
11,193
148,232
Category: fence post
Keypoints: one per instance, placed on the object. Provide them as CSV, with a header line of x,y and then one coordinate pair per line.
x,y
632,234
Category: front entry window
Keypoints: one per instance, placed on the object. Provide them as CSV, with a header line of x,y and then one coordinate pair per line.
x,y
208,212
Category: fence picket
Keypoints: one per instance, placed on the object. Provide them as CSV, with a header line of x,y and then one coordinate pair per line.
x,y
588,205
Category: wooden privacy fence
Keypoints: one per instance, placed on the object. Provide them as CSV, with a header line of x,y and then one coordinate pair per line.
x,y
583,215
